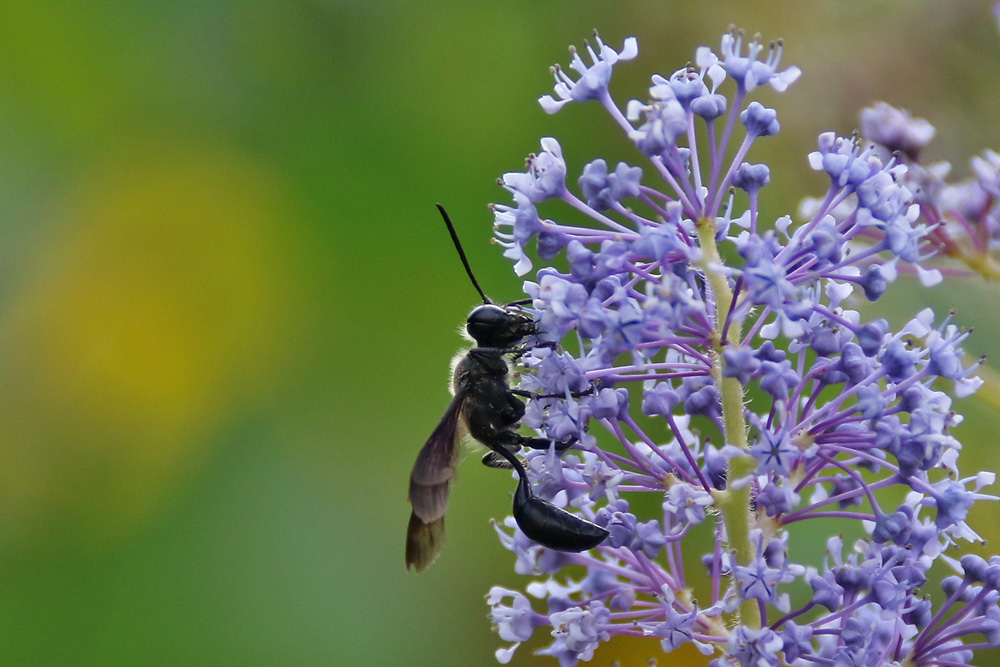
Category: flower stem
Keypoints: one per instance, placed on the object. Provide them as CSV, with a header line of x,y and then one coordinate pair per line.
x,y
733,504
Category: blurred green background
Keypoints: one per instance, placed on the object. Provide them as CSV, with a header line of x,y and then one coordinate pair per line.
x,y
227,304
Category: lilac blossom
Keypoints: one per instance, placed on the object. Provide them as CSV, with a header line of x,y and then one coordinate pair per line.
x,y
962,217
749,395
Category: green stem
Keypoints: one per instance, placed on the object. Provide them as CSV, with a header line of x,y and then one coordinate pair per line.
x,y
733,504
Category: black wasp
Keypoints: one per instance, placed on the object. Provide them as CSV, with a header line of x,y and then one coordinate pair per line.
x,y
488,409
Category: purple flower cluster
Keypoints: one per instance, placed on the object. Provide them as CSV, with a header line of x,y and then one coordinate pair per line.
x,y
964,215
732,376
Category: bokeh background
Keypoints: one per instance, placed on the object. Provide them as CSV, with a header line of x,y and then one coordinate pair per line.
x,y
227,304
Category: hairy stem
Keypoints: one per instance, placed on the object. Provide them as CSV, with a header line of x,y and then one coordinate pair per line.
x,y
733,504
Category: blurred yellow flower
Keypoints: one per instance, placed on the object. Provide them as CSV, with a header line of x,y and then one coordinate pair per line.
x,y
144,323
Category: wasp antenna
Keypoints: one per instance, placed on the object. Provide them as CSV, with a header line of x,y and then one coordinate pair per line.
x,y
461,253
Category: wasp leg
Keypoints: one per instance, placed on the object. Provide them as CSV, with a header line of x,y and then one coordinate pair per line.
x,y
519,351
493,460
573,394
589,391
516,440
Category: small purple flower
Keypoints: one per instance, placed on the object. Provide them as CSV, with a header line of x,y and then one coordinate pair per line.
x,y
544,176
621,526
759,648
895,527
659,399
953,502
514,623
767,284
750,72
774,452
759,120
796,641
777,499
778,378
578,630
751,177
648,539
594,78
841,159
895,129
676,630
898,362
664,122
603,190
826,591
740,364
687,503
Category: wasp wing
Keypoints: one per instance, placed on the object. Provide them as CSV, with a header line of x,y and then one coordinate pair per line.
x,y
436,463
430,482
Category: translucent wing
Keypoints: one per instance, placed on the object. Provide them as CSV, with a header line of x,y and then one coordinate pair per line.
x,y
430,482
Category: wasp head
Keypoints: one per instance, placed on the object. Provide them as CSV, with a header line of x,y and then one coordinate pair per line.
x,y
491,325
